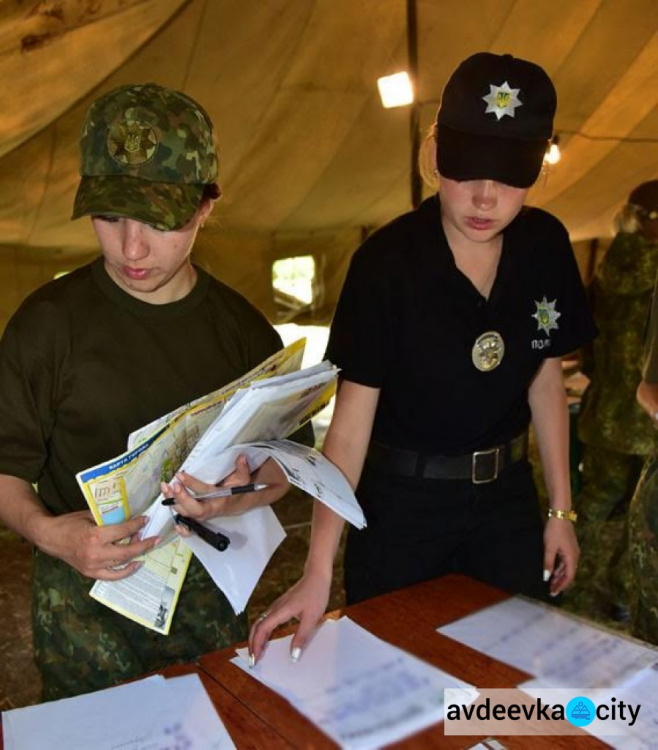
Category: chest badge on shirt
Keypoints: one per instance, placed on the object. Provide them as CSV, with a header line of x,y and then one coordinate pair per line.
x,y
546,315
488,351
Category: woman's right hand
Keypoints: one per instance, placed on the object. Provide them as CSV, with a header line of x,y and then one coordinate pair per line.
x,y
306,602
345,445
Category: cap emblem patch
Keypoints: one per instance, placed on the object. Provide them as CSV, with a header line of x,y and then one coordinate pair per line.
x,y
502,100
131,142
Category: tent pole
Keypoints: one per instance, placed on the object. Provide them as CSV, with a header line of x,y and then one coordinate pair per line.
x,y
414,113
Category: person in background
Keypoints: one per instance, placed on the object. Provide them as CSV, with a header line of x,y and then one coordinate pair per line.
x,y
449,334
643,511
106,349
616,437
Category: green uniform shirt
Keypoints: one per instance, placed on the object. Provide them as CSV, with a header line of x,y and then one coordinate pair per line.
x,y
83,364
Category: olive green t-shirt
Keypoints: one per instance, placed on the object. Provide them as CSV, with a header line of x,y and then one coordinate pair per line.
x,y
83,364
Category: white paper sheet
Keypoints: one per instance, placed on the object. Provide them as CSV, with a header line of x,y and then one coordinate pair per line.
x,y
304,468
362,692
634,729
150,714
255,535
559,649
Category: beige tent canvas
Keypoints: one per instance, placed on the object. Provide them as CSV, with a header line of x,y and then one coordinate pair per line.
x,y
310,160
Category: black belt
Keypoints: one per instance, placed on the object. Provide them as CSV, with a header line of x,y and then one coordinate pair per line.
x,y
479,467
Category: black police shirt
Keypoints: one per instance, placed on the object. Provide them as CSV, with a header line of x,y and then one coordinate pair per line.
x,y
407,321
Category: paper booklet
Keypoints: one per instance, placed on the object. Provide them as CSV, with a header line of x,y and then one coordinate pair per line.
x,y
252,416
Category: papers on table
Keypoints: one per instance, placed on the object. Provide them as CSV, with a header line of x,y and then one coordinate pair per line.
x,y
362,692
559,649
570,657
149,714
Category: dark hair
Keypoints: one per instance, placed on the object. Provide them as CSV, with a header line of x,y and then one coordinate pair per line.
x,y
211,191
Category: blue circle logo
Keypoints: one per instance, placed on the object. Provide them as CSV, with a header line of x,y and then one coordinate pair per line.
x,y
581,711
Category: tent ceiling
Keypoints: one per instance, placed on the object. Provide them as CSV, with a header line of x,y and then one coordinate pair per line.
x,y
306,147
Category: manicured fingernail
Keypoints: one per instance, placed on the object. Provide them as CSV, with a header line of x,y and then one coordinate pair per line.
x,y
252,661
295,654
553,593
547,575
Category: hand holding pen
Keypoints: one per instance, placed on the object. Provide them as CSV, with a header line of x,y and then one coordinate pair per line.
x,y
215,538
201,501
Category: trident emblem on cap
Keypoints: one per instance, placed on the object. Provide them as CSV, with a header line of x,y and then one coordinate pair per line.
x,y
502,100
131,142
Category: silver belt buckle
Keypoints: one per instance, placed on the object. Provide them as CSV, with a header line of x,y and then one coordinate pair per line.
x,y
474,472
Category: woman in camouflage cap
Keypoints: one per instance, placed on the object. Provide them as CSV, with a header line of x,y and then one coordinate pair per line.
x,y
92,356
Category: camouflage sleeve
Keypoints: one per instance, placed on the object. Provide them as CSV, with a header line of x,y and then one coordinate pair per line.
x,y
587,351
650,368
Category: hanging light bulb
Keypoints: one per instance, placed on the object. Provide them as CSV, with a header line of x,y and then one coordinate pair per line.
x,y
553,155
395,90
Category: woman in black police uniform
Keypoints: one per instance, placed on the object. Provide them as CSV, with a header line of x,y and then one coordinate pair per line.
x,y
449,333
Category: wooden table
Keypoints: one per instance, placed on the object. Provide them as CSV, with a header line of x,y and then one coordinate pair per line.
x,y
407,618
259,719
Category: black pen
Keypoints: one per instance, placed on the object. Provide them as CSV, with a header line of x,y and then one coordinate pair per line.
x,y
241,489
214,538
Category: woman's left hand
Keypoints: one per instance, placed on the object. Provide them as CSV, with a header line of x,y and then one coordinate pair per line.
x,y
561,554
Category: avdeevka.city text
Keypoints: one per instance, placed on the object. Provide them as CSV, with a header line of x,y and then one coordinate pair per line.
x,y
612,711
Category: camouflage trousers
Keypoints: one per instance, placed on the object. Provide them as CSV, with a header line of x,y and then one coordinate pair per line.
x,y
80,645
609,479
643,545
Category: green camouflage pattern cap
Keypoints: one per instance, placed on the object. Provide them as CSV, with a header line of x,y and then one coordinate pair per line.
x,y
146,153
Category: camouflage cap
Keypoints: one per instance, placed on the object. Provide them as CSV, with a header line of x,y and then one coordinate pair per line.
x,y
146,152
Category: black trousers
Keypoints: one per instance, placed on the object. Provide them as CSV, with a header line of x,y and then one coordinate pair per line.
x,y
424,528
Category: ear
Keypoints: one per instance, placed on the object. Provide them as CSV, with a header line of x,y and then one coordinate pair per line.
x,y
205,209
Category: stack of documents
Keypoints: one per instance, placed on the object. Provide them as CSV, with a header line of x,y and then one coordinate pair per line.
x,y
359,690
251,416
143,715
